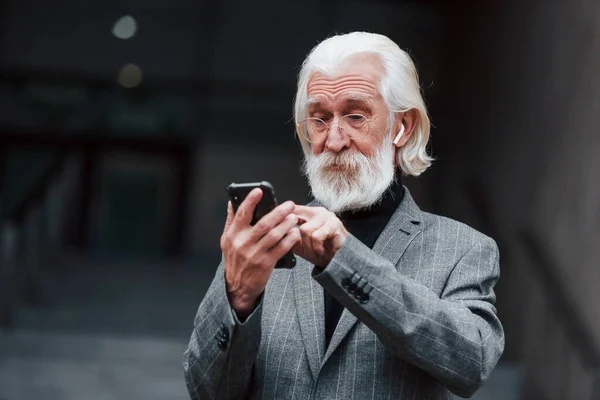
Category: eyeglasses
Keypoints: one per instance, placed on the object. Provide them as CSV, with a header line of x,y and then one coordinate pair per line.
x,y
354,126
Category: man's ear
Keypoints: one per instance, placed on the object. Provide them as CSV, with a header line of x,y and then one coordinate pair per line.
x,y
406,121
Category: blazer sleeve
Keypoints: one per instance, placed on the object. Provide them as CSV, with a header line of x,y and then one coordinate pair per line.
x,y
219,361
456,337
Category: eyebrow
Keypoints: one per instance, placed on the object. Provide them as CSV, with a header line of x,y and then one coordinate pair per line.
x,y
312,101
357,98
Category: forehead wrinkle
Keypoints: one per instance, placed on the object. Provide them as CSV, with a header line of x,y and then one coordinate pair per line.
x,y
353,97
322,91
318,78
335,88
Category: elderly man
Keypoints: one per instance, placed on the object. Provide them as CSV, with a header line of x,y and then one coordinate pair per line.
x,y
386,301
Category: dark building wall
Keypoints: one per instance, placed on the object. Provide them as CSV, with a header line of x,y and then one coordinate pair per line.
x,y
521,155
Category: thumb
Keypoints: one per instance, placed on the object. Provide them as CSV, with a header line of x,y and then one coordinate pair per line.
x,y
230,215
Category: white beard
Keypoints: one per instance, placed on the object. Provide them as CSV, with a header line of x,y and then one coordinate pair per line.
x,y
350,180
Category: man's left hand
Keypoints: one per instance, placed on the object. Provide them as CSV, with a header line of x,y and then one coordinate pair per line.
x,y
322,233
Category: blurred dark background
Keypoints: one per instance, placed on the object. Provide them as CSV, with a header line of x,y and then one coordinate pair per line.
x,y
122,123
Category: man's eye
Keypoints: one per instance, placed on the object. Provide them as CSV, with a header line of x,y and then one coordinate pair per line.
x,y
356,117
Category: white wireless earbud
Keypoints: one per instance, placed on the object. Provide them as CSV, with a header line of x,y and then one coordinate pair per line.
x,y
399,135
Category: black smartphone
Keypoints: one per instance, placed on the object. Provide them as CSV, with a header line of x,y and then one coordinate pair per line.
x,y
237,193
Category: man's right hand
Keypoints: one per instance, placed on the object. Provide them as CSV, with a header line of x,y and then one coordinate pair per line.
x,y
251,252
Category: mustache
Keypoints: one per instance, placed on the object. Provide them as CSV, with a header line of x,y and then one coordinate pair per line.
x,y
346,160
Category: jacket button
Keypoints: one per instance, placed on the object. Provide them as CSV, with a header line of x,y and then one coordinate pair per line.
x,y
352,288
358,293
225,333
222,343
364,298
346,282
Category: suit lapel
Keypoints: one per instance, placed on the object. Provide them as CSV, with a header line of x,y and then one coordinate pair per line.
x,y
310,308
403,227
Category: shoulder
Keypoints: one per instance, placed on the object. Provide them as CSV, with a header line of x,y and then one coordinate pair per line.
x,y
446,229
443,231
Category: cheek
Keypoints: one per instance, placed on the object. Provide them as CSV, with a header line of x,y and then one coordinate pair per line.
x,y
368,146
378,136
379,129
317,149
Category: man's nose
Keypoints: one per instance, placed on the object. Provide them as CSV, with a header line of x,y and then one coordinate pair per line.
x,y
336,139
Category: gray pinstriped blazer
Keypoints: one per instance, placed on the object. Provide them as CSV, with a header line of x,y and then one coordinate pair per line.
x,y
427,326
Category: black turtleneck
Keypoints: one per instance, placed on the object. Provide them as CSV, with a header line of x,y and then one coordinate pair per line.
x,y
366,225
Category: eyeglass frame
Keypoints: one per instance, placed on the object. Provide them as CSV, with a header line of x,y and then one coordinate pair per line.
x,y
329,124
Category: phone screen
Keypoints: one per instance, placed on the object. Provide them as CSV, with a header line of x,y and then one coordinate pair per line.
x,y
238,192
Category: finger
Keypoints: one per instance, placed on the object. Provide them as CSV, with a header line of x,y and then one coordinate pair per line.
x,y
244,213
306,243
306,231
323,233
291,238
271,220
278,232
306,213
319,237
229,219
310,226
